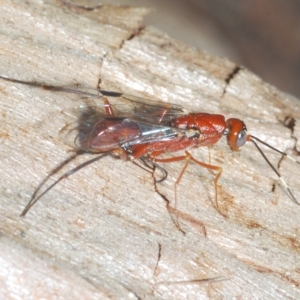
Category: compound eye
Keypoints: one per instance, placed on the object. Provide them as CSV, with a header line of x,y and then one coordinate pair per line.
x,y
236,133
241,138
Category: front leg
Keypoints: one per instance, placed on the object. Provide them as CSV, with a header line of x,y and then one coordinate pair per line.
x,y
188,157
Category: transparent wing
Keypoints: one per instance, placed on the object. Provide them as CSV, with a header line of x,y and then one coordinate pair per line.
x,y
125,105
98,133
134,121
139,109
154,112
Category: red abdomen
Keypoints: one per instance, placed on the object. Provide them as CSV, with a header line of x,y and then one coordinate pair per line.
x,y
110,134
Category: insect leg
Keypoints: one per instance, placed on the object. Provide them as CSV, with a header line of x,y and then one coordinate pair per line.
x,y
108,108
150,164
188,157
174,159
217,177
163,114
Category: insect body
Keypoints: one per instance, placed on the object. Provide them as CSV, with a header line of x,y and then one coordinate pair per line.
x,y
136,128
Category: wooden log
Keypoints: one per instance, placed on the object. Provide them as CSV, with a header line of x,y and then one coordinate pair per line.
x,y
105,232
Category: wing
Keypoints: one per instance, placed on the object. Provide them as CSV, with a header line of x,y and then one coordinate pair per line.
x,y
152,112
135,121
99,134
137,108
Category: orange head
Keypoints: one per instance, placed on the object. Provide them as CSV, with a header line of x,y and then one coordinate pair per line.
x,y
236,132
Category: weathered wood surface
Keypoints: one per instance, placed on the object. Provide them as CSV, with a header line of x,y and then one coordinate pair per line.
x,y
105,232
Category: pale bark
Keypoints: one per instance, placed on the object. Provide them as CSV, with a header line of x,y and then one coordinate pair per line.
x,y
105,232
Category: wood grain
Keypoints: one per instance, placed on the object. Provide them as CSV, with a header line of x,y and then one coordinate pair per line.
x,y
105,233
